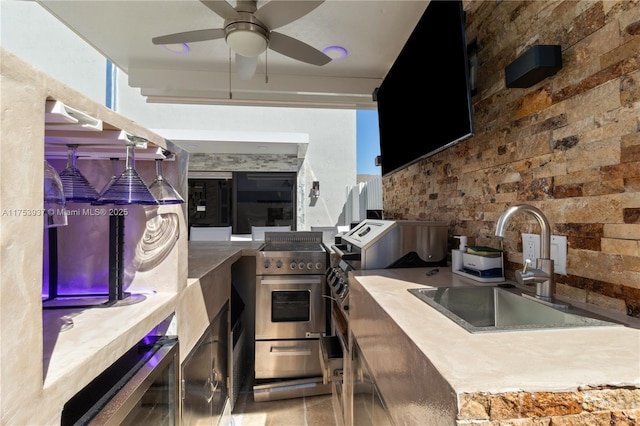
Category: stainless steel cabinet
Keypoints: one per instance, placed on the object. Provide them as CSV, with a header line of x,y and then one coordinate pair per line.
x,y
368,406
204,375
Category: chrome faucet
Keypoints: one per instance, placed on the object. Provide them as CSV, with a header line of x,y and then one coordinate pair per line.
x,y
542,276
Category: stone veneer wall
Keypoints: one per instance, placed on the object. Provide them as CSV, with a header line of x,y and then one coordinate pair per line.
x,y
569,145
586,407
244,163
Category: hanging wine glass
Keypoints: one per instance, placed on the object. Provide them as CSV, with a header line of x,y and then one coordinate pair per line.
x,y
76,187
114,176
162,190
128,188
54,200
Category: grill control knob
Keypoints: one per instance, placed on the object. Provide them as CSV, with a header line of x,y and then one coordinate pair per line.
x,y
267,264
310,265
344,292
318,265
337,280
330,274
279,264
301,265
293,265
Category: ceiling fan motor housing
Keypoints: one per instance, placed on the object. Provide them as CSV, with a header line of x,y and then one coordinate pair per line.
x,y
247,36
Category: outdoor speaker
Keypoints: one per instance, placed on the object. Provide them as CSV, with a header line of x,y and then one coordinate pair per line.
x,y
534,65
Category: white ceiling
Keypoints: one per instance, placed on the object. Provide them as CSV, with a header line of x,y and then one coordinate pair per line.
x,y
372,31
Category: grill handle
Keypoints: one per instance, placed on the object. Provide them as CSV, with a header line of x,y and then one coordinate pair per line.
x,y
343,255
284,279
290,351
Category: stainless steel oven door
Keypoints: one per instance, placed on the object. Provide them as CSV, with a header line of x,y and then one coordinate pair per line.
x,y
290,307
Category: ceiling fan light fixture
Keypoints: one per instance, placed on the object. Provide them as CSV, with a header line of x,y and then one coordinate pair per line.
x,y
177,48
246,67
246,39
336,53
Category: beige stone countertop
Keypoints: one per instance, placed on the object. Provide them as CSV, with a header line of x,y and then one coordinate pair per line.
x,y
204,256
533,360
80,343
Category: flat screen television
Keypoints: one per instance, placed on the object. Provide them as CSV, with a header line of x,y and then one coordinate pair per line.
x,y
424,101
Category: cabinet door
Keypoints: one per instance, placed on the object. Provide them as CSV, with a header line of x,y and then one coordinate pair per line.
x,y
368,407
197,385
219,338
204,375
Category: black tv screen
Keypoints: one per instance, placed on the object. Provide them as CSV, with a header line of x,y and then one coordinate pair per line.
x,y
424,101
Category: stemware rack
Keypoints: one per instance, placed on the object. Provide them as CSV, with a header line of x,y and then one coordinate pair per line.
x,y
65,126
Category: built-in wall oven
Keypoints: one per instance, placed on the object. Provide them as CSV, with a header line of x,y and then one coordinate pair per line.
x,y
290,315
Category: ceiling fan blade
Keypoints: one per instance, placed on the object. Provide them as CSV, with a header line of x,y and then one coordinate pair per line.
x,y
246,67
276,14
296,49
221,8
190,36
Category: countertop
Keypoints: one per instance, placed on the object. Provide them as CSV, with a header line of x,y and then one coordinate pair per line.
x,y
89,340
533,360
205,256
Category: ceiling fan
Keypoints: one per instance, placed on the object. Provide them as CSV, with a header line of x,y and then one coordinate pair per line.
x,y
248,31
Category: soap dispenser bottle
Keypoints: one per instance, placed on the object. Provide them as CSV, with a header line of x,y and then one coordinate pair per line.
x,y
456,255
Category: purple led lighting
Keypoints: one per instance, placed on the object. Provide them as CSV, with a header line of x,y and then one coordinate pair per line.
x,y
176,49
78,285
336,53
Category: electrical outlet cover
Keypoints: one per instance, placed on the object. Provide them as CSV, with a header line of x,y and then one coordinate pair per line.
x,y
530,248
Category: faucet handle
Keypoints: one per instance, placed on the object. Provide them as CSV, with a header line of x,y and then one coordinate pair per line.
x,y
526,265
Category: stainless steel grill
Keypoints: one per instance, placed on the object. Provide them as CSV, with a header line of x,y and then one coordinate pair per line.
x,y
372,244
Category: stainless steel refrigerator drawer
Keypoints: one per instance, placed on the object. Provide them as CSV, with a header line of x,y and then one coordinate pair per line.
x,y
287,358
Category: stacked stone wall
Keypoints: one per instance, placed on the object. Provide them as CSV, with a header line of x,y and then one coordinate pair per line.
x,y
585,407
569,145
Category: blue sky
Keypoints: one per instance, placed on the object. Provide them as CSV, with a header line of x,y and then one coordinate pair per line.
x,y
367,142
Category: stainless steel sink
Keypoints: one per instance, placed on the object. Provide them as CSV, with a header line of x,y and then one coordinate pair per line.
x,y
491,309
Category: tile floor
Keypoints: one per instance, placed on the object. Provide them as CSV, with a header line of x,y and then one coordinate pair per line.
x,y
306,411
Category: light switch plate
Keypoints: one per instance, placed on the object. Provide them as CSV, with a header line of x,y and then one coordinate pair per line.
x,y
531,250
559,254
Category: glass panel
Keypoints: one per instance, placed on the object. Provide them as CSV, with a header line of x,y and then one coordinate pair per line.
x,y
210,202
264,199
157,405
290,306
